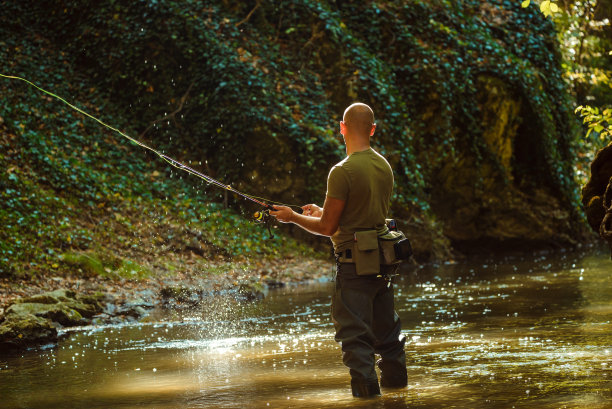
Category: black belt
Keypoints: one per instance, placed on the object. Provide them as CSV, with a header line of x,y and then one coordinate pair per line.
x,y
345,256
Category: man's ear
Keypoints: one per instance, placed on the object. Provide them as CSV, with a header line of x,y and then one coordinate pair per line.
x,y
342,128
373,129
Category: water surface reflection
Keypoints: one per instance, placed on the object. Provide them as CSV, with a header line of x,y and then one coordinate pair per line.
x,y
521,333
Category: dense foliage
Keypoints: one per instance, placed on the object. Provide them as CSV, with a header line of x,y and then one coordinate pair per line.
x,y
585,35
251,93
70,186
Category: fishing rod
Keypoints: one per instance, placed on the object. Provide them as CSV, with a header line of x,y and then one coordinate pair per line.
x,y
262,216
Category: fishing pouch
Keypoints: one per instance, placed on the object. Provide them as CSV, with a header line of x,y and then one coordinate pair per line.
x,y
394,248
366,254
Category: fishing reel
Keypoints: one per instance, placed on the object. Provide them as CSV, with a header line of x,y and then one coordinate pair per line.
x,y
263,217
260,216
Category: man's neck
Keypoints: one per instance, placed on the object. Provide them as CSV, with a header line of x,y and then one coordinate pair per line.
x,y
357,147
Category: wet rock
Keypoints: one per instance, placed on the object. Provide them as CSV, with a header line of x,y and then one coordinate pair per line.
x,y
176,297
271,283
37,299
101,319
22,331
597,194
134,311
109,309
252,291
57,312
35,319
185,297
87,305
139,302
61,295
137,309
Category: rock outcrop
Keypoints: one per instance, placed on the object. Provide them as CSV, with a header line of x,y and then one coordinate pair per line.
x,y
498,199
35,320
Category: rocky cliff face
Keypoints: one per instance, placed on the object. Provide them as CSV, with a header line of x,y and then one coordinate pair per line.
x,y
471,108
501,200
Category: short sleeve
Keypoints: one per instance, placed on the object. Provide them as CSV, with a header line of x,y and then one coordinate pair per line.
x,y
338,183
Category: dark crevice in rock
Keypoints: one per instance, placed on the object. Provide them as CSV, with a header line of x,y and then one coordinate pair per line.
x,y
528,152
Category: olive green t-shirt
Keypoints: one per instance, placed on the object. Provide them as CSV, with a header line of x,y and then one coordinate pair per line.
x,y
365,181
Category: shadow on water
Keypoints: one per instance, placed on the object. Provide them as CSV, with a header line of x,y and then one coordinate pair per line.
x,y
524,333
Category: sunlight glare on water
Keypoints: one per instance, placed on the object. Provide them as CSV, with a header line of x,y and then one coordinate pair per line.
x,y
524,333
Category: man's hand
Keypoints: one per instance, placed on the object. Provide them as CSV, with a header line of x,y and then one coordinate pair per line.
x,y
283,214
312,210
320,221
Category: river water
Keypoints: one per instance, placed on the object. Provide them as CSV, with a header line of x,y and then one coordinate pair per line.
x,y
531,332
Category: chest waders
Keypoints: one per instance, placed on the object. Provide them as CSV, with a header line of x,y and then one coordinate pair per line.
x,y
364,316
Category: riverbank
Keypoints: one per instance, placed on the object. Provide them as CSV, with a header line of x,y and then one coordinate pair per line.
x,y
47,303
220,276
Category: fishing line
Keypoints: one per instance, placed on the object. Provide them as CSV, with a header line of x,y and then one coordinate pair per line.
x,y
173,162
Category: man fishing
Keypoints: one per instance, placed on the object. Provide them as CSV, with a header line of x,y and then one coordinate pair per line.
x,y
357,201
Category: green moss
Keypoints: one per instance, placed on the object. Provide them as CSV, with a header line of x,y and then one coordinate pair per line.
x,y
86,264
132,270
92,264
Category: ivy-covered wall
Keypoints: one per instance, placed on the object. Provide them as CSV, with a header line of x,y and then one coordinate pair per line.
x,y
471,108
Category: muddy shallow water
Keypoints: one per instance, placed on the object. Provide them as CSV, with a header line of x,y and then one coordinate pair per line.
x,y
533,332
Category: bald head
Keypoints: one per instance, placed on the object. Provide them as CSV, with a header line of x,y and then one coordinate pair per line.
x,y
359,119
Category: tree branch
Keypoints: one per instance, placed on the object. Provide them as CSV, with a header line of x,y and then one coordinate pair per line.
x,y
244,20
171,114
316,34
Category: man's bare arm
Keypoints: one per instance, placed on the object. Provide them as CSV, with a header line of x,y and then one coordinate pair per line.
x,y
324,225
